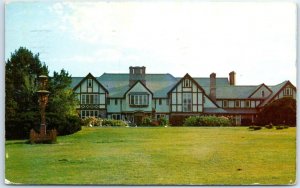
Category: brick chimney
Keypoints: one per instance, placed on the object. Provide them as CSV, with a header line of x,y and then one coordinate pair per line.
x,y
212,93
232,78
137,73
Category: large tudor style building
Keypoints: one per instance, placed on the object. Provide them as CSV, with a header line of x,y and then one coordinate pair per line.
x,y
136,95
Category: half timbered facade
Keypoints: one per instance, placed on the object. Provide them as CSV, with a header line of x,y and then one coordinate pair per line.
x,y
136,95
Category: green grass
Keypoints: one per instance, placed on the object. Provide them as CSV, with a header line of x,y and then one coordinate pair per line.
x,y
172,155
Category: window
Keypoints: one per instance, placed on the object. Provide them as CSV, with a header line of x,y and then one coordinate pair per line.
x,y
247,104
287,92
263,93
116,116
167,101
90,99
116,101
131,99
138,100
187,102
225,104
90,83
89,113
83,101
187,83
108,101
237,104
159,101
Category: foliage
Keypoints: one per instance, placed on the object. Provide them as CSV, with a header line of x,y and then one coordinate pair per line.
x,y
147,121
163,121
21,99
254,128
21,72
269,126
92,121
20,126
64,125
62,99
210,121
134,156
280,111
114,123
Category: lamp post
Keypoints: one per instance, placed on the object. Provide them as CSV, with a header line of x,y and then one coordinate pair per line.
x,y
43,100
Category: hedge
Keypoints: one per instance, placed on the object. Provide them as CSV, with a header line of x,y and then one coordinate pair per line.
x,y
207,121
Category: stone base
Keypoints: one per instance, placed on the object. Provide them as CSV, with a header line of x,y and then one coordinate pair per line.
x,y
48,138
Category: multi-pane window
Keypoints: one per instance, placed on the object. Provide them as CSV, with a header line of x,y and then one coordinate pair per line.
x,y
138,100
287,92
159,101
225,104
116,101
90,99
187,83
187,102
89,113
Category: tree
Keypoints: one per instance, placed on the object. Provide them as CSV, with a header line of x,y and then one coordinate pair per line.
x,y
62,99
21,100
22,70
280,111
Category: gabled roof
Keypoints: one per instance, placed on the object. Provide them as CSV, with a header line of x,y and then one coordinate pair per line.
x,y
75,81
258,87
275,89
135,85
118,84
186,76
87,76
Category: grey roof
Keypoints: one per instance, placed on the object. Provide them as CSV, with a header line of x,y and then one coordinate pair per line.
x,y
75,81
214,110
235,92
160,84
275,90
118,84
205,82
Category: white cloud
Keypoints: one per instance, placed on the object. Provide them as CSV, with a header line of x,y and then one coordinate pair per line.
x,y
215,37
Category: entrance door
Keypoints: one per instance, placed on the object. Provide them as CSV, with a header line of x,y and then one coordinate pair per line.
x,y
138,119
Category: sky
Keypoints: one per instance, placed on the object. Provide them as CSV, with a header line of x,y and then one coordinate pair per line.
x,y
256,40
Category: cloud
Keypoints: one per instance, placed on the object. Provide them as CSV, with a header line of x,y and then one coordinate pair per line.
x,y
212,36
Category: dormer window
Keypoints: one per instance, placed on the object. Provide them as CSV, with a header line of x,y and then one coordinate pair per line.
x,y
187,83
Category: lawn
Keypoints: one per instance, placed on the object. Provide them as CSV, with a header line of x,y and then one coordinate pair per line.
x,y
171,155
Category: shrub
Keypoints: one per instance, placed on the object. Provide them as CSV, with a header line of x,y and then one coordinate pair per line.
x,y
210,121
254,128
278,127
280,111
64,125
114,123
92,121
163,121
147,121
19,127
270,126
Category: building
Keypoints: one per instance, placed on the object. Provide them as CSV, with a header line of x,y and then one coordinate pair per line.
x,y
137,94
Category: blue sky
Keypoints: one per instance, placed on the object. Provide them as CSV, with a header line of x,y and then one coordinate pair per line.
x,y
257,40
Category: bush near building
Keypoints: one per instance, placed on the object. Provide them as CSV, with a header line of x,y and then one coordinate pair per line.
x,y
281,111
209,121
